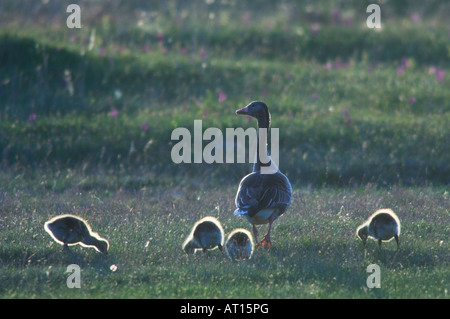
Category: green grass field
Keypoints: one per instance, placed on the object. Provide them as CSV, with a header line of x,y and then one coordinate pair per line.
x,y
86,117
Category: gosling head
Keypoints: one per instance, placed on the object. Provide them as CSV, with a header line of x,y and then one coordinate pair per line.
x,y
102,246
188,246
363,233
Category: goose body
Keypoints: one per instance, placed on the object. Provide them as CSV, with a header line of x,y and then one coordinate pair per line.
x,y
383,225
239,244
69,230
207,233
265,193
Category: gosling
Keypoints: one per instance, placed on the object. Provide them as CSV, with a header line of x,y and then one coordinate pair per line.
x,y
69,230
207,233
239,244
383,225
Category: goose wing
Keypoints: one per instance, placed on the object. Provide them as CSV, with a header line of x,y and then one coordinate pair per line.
x,y
260,191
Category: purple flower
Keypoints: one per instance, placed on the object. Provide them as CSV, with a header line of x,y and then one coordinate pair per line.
x,y
144,127
315,29
412,100
432,70
348,21
245,19
336,16
415,17
315,96
160,37
400,70
440,75
222,97
337,64
114,113
346,113
32,117
146,48
202,53
405,63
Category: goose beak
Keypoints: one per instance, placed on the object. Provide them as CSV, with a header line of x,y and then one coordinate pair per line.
x,y
244,110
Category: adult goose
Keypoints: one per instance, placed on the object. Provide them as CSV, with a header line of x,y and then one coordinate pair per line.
x,y
69,230
383,225
207,233
266,193
239,244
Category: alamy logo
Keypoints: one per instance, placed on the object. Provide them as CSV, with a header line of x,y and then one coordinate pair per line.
x,y
373,280
189,149
74,279
74,19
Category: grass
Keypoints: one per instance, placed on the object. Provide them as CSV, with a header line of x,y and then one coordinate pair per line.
x,y
317,257
86,117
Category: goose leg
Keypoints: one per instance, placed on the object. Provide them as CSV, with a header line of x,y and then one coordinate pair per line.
x,y
255,234
266,243
396,239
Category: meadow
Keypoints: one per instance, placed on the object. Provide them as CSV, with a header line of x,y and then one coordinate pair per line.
x,y
86,117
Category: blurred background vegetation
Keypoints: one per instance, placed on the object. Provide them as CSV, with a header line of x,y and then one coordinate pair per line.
x,y
353,105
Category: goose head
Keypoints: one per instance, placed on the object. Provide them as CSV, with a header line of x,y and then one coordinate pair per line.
x,y
258,110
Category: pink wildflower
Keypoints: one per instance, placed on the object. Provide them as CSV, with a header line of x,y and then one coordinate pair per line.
x,y
114,113
415,17
405,63
146,48
202,53
315,29
440,75
144,127
222,97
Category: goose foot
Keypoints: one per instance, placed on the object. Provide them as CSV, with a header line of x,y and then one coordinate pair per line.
x,y
266,243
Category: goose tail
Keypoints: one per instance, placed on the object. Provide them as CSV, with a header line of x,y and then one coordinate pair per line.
x,y
240,211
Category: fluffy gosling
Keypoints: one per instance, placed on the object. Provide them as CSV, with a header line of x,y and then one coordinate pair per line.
x,y
69,230
207,233
383,225
239,244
